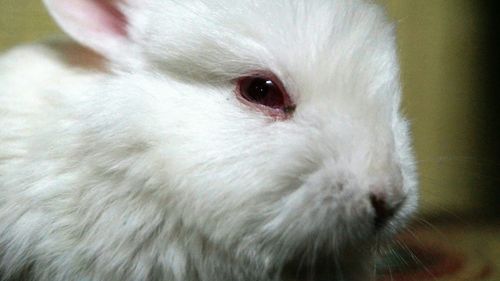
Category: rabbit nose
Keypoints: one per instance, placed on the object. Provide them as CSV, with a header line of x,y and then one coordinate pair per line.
x,y
383,211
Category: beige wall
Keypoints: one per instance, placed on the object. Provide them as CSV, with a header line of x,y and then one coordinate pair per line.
x,y
438,46
23,21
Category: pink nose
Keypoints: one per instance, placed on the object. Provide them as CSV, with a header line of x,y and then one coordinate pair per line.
x,y
383,211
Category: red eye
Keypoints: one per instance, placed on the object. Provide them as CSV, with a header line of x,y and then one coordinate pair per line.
x,y
267,94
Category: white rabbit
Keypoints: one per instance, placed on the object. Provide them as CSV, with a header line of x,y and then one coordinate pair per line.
x,y
210,140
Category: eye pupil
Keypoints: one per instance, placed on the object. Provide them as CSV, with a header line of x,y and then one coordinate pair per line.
x,y
259,89
267,94
262,91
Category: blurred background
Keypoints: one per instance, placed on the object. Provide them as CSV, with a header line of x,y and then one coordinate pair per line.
x,y
449,61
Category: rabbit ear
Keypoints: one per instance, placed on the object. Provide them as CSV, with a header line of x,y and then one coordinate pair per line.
x,y
98,24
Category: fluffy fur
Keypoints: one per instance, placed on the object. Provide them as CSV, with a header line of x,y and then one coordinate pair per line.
x,y
149,168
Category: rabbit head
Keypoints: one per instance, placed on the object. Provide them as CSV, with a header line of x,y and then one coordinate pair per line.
x,y
275,125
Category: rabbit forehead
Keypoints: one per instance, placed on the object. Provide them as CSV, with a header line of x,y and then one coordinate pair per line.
x,y
313,43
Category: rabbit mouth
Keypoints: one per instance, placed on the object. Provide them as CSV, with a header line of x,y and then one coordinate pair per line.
x,y
322,266
326,264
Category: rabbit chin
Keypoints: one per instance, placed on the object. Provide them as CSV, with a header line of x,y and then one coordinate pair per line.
x,y
324,265
331,255
311,261
325,237
320,246
352,262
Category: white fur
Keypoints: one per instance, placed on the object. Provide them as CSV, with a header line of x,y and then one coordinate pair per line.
x,y
154,170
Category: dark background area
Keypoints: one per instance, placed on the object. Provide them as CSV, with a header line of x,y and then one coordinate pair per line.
x,y
490,79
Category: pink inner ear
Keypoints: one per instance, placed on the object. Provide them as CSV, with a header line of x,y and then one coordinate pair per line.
x,y
114,19
100,16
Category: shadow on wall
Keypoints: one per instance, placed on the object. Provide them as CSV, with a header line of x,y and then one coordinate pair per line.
x,y
490,127
449,59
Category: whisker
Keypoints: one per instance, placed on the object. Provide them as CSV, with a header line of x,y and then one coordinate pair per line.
x,y
338,267
415,257
431,226
399,257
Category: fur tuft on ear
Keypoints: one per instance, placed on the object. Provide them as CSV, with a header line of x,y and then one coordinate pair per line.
x,y
98,24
